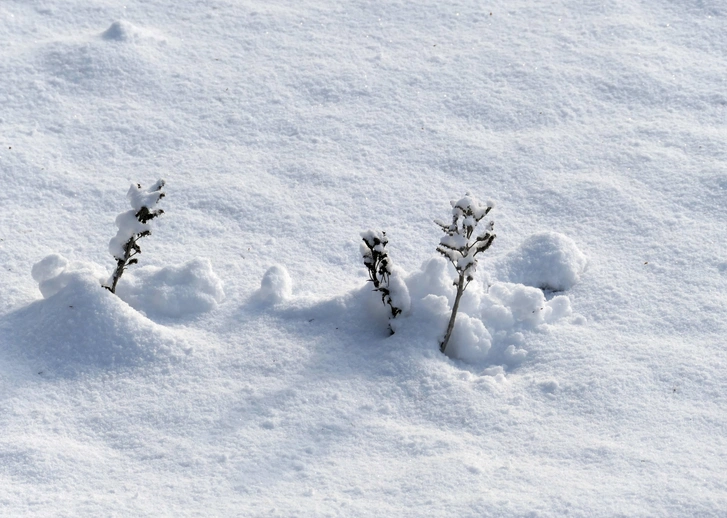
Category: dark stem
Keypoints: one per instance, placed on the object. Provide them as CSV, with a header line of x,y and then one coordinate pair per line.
x,y
121,264
460,290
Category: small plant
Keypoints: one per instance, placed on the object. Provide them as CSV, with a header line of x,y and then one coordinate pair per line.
x,y
461,244
377,262
133,225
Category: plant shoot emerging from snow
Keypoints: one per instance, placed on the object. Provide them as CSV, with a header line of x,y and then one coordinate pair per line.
x,y
376,259
133,225
461,243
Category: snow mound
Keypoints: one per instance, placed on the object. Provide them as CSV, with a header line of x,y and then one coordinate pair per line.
x,y
546,260
490,323
432,295
507,306
431,279
123,31
276,286
80,324
173,291
100,62
470,341
398,290
55,272
48,267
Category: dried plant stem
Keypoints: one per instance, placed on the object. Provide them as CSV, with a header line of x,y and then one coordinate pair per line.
x,y
130,250
460,245
450,327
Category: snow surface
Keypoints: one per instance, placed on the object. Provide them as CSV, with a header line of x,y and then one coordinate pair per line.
x,y
284,130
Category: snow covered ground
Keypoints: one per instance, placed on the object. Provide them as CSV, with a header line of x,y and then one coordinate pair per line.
x,y
217,386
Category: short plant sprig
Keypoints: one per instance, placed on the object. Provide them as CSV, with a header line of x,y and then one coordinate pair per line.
x,y
377,262
460,245
133,225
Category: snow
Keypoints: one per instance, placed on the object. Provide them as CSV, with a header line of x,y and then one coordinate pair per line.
x,y
174,291
123,31
276,286
48,269
490,319
128,227
80,326
54,272
586,375
148,198
546,260
398,290
455,242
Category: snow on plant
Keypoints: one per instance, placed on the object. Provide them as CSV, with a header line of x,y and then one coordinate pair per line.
x,y
380,268
133,225
460,245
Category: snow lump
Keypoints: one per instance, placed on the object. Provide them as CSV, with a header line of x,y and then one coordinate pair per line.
x,y
79,324
173,291
276,286
547,260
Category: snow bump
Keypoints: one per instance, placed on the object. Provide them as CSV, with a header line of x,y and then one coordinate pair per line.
x,y
547,260
79,324
173,291
276,286
123,31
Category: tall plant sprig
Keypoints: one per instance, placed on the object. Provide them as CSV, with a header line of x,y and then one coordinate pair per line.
x,y
133,225
461,244
379,266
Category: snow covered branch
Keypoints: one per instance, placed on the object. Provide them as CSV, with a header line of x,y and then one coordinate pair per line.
x,y
376,259
133,225
460,245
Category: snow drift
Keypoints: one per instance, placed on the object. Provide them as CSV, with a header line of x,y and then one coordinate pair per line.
x,y
490,321
79,324
491,325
